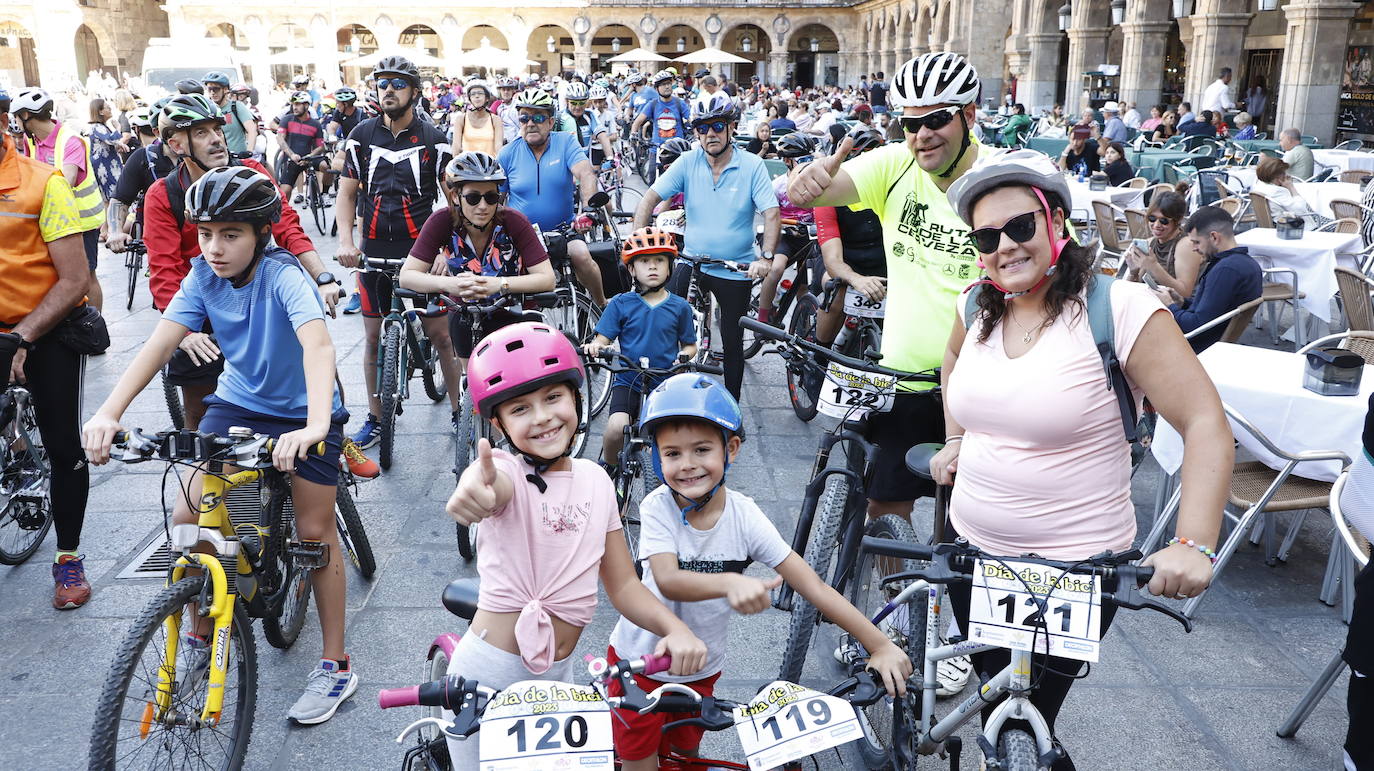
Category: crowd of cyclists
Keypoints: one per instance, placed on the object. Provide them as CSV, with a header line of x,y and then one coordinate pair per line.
x,y
455,193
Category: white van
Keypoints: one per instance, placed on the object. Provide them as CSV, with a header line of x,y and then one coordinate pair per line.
x,y
164,63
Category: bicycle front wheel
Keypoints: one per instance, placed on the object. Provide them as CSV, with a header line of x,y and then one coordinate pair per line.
x,y
464,445
804,377
131,731
1017,751
316,203
289,584
132,264
352,537
752,342
425,357
820,553
389,391
172,395
25,482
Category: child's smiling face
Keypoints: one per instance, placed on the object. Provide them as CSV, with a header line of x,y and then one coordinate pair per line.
x,y
693,456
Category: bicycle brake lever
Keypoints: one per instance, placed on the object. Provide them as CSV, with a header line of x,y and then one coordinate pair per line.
x,y
440,723
1132,600
665,689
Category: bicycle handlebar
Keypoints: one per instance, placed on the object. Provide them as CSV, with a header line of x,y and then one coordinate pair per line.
x,y
249,450
701,259
787,338
619,362
718,714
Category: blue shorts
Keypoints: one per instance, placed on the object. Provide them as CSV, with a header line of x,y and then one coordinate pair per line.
x,y
220,416
90,241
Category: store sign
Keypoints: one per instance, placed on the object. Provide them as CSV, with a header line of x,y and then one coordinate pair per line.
x,y
1357,91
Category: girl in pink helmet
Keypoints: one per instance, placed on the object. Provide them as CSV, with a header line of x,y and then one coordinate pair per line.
x,y
550,526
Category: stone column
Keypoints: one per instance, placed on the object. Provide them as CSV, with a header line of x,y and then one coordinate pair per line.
x,y
1038,86
985,44
582,58
1309,86
1219,41
1142,55
325,46
1087,49
54,39
256,34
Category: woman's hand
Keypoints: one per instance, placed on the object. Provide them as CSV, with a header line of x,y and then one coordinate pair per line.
x,y
1181,571
200,348
893,667
97,437
295,445
1138,260
946,463
685,649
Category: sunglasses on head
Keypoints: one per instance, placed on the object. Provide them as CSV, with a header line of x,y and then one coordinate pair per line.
x,y
1020,229
395,84
491,197
536,118
1153,218
934,121
716,126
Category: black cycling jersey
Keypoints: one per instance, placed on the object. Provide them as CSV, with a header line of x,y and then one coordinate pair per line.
x,y
861,235
139,174
346,122
399,178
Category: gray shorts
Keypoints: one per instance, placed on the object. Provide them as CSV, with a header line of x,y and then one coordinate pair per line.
x,y
493,668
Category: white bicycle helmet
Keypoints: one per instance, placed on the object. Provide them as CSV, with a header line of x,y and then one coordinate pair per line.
x,y
576,92
935,78
31,100
598,92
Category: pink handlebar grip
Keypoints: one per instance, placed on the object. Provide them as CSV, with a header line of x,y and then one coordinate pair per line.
x,y
399,697
656,664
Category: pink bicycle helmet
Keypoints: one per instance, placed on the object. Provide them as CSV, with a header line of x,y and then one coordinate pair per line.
x,y
518,359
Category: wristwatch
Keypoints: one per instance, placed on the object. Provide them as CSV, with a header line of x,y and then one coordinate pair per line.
x,y
767,255
505,284
25,344
326,278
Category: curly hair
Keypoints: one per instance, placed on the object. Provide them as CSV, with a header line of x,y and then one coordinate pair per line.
x,y
1070,279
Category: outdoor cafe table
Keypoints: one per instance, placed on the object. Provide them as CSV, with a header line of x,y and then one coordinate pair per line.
x,y
1319,195
1255,145
1051,146
1083,197
1265,386
1150,163
1345,160
1313,258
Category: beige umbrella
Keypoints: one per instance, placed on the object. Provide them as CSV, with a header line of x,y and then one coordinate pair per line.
x,y
418,57
301,56
638,55
712,56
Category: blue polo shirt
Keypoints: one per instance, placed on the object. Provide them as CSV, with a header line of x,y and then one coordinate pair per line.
x,y
720,212
657,332
542,189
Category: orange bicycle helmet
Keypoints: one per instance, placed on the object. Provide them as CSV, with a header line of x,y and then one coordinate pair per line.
x,y
648,240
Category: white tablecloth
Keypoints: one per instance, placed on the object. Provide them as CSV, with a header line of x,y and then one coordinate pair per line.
x,y
1345,160
1265,386
1320,194
1124,197
1313,257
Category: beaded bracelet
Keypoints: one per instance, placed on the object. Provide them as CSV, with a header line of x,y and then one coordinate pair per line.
x,y
1206,550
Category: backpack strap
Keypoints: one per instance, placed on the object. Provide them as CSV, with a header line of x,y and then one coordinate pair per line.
x,y
971,305
1104,338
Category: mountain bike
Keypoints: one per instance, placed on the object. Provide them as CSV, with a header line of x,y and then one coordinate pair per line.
x,y
134,252
157,708
705,313
805,270
403,350
314,196
574,313
25,478
860,333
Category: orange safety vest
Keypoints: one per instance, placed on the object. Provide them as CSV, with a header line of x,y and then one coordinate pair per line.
x,y
27,272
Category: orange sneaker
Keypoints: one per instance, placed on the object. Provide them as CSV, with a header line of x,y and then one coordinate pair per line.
x,y
72,589
358,463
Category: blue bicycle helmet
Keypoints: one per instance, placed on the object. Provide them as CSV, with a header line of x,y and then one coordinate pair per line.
x,y
694,396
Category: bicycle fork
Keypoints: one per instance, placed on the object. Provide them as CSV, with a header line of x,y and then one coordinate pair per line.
x,y
217,602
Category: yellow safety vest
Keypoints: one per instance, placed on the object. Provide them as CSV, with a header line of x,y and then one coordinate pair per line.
x,y
90,206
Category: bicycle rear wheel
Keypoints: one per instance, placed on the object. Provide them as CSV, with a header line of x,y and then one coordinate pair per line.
x,y
316,199
352,537
753,343
288,583
132,263
804,377
25,483
129,732
425,358
389,390
820,553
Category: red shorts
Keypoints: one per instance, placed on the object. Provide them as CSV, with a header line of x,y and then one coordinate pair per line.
x,y
642,736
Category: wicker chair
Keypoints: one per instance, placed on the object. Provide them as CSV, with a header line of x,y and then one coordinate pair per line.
x,y
1348,225
1157,190
1106,216
1139,183
1234,207
1355,292
1137,224
1358,342
1344,208
1259,204
1355,176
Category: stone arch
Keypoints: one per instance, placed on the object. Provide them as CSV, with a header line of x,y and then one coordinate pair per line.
x,y
672,33
472,37
736,39
922,28
18,52
423,37
224,29
355,40
608,39
90,51
537,45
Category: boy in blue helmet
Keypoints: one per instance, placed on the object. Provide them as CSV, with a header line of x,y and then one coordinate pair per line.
x,y
696,539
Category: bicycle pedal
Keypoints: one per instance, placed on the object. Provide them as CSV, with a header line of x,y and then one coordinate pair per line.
x,y
310,555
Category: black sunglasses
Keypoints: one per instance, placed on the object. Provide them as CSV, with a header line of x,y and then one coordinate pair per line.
x,y
716,126
395,84
1152,219
491,197
934,121
537,118
1020,229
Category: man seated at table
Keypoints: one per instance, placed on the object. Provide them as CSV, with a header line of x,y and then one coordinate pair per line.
x,y
1297,155
1185,114
1202,127
1113,128
1080,152
1230,277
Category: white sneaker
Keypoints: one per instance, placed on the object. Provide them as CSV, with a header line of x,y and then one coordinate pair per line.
x,y
951,675
325,690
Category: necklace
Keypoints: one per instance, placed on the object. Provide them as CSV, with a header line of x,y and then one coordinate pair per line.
x,y
1029,333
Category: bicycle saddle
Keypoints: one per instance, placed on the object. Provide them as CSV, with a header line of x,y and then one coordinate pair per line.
x,y
918,458
460,597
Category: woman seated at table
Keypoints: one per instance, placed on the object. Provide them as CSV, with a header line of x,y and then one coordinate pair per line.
x,y
1167,128
1274,184
1245,128
762,143
1117,168
1170,259
1152,122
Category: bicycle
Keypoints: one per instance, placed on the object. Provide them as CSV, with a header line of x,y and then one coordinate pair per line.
x,y
265,574
574,313
402,350
705,313
860,333
795,289
634,466
25,479
134,252
314,197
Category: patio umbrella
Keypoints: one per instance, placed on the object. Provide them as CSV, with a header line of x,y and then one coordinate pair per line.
x,y
301,56
418,57
638,55
482,55
712,56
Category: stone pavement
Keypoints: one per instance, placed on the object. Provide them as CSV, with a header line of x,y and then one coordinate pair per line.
x,y
1158,699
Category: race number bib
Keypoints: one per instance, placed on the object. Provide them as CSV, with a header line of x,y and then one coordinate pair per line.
x,y
847,390
786,722
1004,613
856,303
536,725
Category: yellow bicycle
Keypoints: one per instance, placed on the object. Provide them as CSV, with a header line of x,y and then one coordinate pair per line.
x,y
169,703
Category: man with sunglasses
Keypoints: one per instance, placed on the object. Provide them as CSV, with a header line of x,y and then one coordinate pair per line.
x,y
544,168
723,188
396,161
240,127
667,115
582,123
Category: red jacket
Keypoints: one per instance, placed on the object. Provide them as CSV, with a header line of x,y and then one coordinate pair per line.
x,y
171,248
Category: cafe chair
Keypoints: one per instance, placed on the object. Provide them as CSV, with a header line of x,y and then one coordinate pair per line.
x,y
1354,290
1139,183
1155,190
1257,492
1209,184
1259,204
1261,135
1109,218
1347,225
1137,224
1270,153
1236,320
1234,207
1322,174
1358,341
1310,140
1354,555
1355,176
1276,293
1353,145
1345,208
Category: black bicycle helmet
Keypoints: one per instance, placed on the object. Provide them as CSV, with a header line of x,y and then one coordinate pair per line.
x,y
670,151
345,94
796,145
187,110
865,138
718,107
233,194
190,86
473,166
398,65
218,78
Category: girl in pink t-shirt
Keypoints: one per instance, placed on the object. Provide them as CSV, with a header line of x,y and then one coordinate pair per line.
x,y
550,525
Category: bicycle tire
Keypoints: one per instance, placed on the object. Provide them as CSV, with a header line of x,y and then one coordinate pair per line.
x,y
352,536
1016,750
282,629
631,487
463,443
316,199
752,342
870,338
436,667
425,357
905,626
106,742
701,320
131,264
389,390
29,538
172,395
820,552
803,379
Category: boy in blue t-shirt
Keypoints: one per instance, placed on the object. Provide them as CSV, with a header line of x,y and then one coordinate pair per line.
x,y
650,323
278,380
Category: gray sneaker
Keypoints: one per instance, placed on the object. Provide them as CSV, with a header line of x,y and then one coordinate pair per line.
x,y
325,690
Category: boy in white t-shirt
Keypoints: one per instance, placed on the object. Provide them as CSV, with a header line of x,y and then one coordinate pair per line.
x,y
697,538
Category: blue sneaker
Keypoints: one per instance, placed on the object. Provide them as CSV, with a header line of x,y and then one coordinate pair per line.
x,y
354,304
370,434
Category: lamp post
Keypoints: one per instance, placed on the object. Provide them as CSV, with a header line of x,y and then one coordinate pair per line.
x,y
1119,11
1182,8
1066,17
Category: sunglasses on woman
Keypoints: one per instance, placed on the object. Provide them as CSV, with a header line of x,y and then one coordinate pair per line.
x,y
934,121
1020,229
491,197
537,118
1152,219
